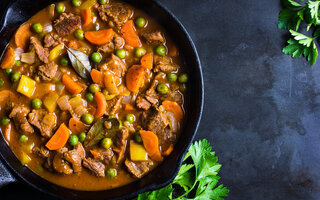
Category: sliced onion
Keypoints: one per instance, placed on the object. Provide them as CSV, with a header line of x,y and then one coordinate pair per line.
x,y
80,110
63,103
47,27
126,99
173,123
17,52
28,58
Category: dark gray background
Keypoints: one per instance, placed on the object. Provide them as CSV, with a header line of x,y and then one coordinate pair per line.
x,y
262,108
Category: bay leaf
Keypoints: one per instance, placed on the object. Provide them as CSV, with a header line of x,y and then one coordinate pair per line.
x,y
80,62
96,133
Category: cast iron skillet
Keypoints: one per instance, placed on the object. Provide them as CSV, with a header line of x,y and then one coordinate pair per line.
x,y
11,170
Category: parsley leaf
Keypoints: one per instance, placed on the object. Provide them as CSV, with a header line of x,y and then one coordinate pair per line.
x,y
312,12
302,39
199,177
290,4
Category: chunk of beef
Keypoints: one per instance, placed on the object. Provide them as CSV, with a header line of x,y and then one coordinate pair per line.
x,y
143,103
48,162
113,105
44,121
52,40
48,71
43,53
154,120
117,43
75,157
116,65
166,137
154,37
138,168
116,12
94,166
164,64
104,155
67,23
120,142
41,151
60,165
19,114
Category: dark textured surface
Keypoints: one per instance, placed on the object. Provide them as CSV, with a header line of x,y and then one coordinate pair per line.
x,y
262,111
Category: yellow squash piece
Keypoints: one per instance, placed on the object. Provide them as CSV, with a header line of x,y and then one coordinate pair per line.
x,y
137,152
26,86
50,102
56,52
24,158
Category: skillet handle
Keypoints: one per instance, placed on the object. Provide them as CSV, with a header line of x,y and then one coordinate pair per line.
x,y
5,176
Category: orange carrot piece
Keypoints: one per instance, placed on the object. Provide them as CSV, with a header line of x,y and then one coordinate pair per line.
x,y
99,37
96,153
147,60
100,99
59,139
151,144
128,107
130,35
72,86
168,151
77,126
175,108
8,59
73,44
135,78
86,16
97,77
22,36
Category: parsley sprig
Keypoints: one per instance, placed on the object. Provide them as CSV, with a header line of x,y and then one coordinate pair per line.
x,y
198,178
291,17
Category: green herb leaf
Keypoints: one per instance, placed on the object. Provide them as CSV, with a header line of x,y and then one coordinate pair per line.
x,y
302,39
290,4
96,133
294,48
312,12
288,19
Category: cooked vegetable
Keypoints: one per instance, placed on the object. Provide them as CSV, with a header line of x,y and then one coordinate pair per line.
x,y
137,152
17,63
76,3
97,77
79,34
151,143
139,52
76,126
82,136
183,78
172,77
110,83
100,37
101,104
4,120
89,97
167,151
73,140
137,137
128,107
60,8
8,58
23,138
140,22
96,133
24,158
135,78
121,53
87,4
107,95
130,118
106,143
80,62
87,118
162,88
22,36
64,62
130,35
103,2
8,71
26,85
86,16
1,82
175,108
59,139
37,28
96,57
28,58
161,50
111,173
94,88
36,103
56,52
147,61
72,86
183,87
50,101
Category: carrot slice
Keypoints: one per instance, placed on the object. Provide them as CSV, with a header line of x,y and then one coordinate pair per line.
x,y
128,107
59,139
130,35
86,16
73,44
175,108
147,60
8,59
22,36
97,77
168,151
135,78
100,99
76,126
72,86
99,37
151,143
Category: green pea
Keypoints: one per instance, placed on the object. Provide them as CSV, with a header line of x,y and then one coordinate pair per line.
x,y
111,173
87,118
121,53
93,88
23,138
60,8
73,140
76,3
40,168
162,89
36,103
161,50
137,137
64,62
96,57
140,22
18,63
37,28
4,120
130,118
106,143
183,78
172,77
79,34
8,71
103,1
15,76
89,97
82,136
1,82
183,87
139,52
